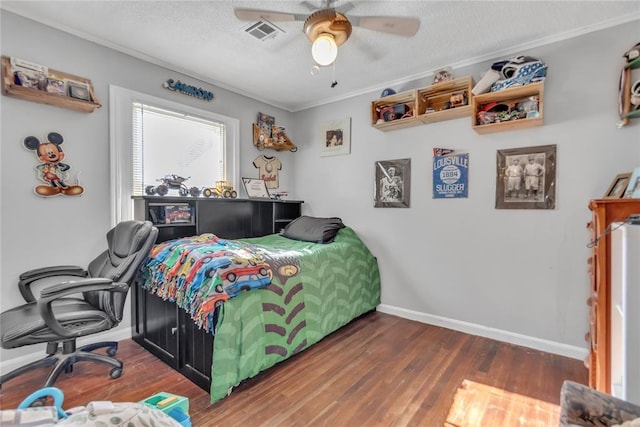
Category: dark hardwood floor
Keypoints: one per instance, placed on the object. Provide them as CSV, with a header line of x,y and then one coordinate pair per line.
x,y
380,370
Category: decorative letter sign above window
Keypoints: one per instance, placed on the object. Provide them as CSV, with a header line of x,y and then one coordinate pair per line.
x,y
196,92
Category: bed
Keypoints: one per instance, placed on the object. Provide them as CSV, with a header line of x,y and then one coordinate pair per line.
x,y
266,299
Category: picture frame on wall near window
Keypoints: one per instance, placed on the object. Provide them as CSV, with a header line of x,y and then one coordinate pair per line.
x,y
618,186
526,178
392,183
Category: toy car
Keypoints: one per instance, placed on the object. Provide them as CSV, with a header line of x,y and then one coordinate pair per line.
x,y
222,189
499,112
172,182
246,283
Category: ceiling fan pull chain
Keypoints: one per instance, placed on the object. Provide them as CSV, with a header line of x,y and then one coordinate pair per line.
x,y
334,83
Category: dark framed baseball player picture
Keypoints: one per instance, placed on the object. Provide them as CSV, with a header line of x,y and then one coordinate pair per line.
x,y
526,178
392,183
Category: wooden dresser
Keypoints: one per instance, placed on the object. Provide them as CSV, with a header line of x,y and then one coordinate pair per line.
x,y
605,212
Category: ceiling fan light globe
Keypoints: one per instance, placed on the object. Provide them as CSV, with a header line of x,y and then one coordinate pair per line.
x,y
324,50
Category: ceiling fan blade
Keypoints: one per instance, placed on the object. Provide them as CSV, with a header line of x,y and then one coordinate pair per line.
x,y
401,26
371,52
345,8
310,6
269,15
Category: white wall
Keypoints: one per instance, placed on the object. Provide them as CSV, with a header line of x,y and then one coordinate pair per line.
x,y
518,275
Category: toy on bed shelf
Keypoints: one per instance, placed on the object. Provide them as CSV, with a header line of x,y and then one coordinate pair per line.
x,y
172,182
222,189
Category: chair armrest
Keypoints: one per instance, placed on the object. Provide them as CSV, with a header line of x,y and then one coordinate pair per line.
x,y
583,406
52,293
31,276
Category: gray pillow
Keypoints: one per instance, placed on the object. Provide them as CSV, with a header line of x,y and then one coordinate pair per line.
x,y
312,229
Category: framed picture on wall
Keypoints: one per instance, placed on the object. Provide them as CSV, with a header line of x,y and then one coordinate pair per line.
x,y
618,186
335,137
633,188
392,183
526,178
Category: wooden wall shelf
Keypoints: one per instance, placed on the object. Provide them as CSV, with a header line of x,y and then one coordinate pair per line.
x,y
9,88
626,113
261,141
414,104
515,94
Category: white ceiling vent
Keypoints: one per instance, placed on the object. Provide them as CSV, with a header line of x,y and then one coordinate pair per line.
x,y
263,30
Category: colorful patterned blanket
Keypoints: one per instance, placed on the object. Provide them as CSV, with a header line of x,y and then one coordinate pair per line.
x,y
199,273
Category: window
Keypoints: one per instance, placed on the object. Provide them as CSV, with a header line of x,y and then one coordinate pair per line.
x,y
152,137
166,142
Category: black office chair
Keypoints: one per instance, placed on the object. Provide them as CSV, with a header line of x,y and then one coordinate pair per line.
x,y
58,319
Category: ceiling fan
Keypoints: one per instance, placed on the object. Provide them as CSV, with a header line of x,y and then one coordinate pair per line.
x,y
328,27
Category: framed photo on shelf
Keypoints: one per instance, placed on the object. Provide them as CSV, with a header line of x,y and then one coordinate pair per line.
x,y
335,137
78,90
392,183
266,122
256,188
55,86
526,178
618,186
633,187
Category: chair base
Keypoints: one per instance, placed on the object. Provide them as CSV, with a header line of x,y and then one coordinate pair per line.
x,y
64,357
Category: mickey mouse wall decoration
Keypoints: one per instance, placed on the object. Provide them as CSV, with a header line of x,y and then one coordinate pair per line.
x,y
51,170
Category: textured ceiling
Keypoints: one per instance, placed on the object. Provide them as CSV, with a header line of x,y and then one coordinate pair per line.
x,y
205,40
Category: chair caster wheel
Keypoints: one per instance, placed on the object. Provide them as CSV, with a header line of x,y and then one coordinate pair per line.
x,y
111,351
115,373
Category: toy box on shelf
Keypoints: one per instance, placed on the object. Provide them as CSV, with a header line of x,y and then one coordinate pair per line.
x,y
509,109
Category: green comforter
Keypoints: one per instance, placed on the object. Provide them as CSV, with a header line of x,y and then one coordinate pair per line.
x,y
319,289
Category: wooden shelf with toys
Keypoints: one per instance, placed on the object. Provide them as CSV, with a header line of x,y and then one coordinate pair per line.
x,y
509,109
627,92
266,135
446,100
395,111
279,143
60,97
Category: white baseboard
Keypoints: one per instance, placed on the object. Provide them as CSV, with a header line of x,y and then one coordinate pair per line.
x,y
484,331
8,365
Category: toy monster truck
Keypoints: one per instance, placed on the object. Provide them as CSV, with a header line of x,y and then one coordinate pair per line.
x,y
172,182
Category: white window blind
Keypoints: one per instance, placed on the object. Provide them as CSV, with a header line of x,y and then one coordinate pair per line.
x,y
168,142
